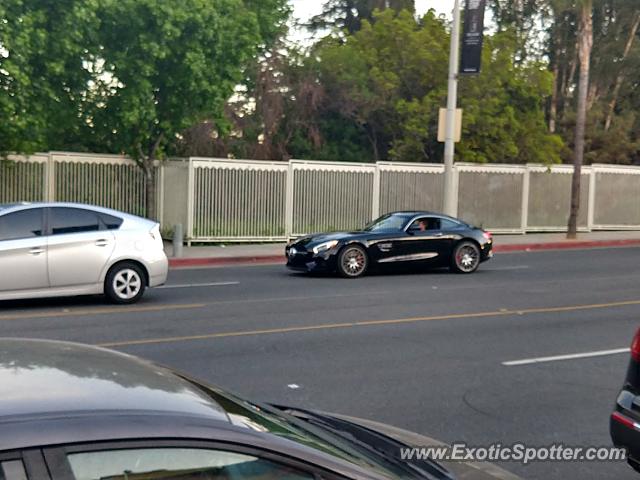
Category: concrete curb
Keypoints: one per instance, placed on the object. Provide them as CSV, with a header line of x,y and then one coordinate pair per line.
x,y
521,247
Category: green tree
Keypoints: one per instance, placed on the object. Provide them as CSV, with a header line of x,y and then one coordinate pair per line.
x,y
124,76
167,66
45,52
389,79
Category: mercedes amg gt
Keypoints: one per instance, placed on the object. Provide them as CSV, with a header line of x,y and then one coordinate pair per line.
x,y
396,239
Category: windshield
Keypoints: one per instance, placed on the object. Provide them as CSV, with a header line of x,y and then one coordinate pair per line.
x,y
391,221
264,418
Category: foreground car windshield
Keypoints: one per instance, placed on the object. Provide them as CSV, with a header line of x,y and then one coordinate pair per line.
x,y
267,419
387,222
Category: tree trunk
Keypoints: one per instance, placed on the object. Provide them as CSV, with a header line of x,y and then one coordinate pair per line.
x,y
585,41
620,77
553,108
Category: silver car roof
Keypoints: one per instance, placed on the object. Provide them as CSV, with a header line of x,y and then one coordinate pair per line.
x,y
12,207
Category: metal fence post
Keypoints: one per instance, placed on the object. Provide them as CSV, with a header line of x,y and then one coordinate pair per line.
x,y
50,179
456,189
591,206
190,201
375,204
526,179
159,173
288,212
178,240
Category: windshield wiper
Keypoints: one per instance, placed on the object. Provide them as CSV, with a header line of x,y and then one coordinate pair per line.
x,y
349,432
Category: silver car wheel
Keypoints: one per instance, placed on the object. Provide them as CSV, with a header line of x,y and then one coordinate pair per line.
x,y
467,258
127,284
354,262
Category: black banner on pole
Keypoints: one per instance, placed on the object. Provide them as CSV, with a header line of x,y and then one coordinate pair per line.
x,y
472,36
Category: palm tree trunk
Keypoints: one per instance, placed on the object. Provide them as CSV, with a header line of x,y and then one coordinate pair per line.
x,y
585,44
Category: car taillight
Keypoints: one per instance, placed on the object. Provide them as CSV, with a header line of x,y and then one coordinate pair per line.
x,y
635,347
487,235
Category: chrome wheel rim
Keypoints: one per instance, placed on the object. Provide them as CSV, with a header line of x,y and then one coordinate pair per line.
x,y
354,262
467,258
127,284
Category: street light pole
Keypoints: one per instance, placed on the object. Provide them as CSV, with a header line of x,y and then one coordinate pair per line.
x,y
452,101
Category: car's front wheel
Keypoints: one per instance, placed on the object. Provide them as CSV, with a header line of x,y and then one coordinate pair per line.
x,y
466,257
352,261
125,283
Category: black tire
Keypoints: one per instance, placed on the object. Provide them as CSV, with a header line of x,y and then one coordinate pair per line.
x,y
125,283
465,257
353,261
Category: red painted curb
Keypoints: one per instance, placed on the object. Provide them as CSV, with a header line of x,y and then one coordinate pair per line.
x,y
521,247
221,261
567,244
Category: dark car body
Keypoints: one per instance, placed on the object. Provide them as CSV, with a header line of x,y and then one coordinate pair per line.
x,y
395,246
67,408
625,420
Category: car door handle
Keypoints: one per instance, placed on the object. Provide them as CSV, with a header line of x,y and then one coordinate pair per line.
x,y
102,242
439,234
36,251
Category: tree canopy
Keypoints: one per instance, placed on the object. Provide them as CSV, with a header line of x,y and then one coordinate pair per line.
x,y
152,78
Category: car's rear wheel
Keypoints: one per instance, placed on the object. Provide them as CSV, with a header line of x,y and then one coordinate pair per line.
x,y
125,283
352,261
466,257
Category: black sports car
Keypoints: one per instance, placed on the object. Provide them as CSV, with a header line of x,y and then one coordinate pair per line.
x,y
399,238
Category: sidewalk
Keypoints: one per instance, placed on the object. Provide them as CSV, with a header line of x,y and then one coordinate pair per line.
x,y
240,254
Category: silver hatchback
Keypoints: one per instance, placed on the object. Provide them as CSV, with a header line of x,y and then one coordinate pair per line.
x,y
65,249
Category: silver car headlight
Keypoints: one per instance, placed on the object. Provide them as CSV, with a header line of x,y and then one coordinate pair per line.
x,y
323,247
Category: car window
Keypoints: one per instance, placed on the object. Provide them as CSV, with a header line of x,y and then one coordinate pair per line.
x,y
21,224
387,222
12,470
178,464
73,220
425,224
110,222
446,224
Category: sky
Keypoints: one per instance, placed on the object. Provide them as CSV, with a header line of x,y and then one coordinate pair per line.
x,y
305,9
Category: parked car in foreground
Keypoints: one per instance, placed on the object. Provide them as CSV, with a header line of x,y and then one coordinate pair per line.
x,y
71,411
396,239
65,249
625,419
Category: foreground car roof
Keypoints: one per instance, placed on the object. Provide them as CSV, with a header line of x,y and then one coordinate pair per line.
x,y
40,378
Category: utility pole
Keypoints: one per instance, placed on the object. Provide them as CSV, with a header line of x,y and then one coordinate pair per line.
x,y
452,103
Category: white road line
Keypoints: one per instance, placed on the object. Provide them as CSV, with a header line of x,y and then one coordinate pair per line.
x,y
560,358
197,285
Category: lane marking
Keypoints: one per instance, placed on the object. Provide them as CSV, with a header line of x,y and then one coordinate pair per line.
x,y
560,358
366,323
197,285
99,311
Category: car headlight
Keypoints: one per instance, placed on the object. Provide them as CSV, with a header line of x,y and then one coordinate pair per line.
x,y
325,246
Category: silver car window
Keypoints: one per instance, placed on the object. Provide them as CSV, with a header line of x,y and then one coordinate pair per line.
x,y
21,224
65,220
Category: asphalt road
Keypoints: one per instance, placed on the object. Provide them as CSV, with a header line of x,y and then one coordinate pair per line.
x,y
421,351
